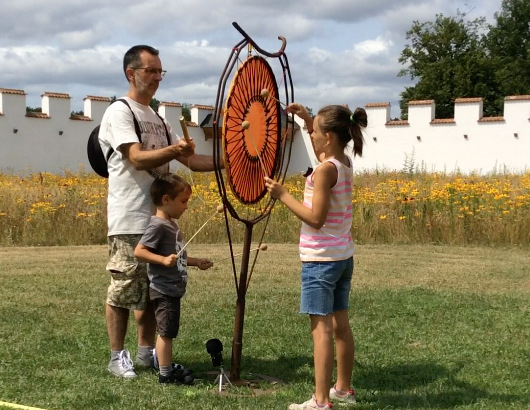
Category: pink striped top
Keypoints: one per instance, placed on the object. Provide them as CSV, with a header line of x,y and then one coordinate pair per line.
x,y
332,242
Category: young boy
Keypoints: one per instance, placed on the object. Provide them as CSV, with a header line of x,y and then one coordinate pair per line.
x,y
162,248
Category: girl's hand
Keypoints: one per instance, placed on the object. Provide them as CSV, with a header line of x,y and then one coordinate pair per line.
x,y
276,190
298,109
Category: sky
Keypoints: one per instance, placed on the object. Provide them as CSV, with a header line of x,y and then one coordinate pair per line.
x,y
339,51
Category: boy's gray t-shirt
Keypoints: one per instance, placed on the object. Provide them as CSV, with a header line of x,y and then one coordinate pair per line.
x,y
164,237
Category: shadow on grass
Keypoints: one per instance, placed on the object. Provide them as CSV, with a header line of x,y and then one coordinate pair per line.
x,y
419,385
410,385
289,369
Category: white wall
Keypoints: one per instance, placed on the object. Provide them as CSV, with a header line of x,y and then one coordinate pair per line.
x,y
491,143
52,142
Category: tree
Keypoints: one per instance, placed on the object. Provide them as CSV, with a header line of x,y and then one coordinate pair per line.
x,y
508,42
186,113
449,60
154,104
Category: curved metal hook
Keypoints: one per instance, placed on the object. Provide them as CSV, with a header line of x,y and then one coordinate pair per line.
x,y
260,50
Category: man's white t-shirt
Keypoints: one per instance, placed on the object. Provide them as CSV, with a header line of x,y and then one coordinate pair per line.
x,y
129,205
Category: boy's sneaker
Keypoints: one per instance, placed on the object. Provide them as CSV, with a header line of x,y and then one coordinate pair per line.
x,y
182,369
156,366
122,366
176,376
347,397
309,405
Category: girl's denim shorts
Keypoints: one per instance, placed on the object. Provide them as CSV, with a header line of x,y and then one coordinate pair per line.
x,y
326,286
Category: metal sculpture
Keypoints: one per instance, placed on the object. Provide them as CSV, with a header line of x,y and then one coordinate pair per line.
x,y
254,141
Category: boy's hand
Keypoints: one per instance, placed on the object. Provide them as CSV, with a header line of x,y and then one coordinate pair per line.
x,y
204,264
170,260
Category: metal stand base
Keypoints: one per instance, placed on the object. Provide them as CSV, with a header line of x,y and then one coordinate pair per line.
x,y
222,378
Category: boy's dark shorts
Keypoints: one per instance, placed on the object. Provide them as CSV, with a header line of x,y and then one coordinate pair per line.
x,y
167,313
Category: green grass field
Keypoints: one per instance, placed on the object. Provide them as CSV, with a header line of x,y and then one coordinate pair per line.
x,y
436,327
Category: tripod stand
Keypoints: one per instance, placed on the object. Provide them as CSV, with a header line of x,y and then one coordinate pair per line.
x,y
223,378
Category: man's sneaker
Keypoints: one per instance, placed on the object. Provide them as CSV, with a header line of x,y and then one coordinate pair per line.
x,y
146,361
310,404
156,366
122,366
176,376
155,361
347,397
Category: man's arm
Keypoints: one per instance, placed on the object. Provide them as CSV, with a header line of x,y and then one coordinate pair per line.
x,y
142,159
200,163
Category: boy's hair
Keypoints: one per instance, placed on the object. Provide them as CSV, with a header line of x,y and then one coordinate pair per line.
x,y
347,125
167,184
132,56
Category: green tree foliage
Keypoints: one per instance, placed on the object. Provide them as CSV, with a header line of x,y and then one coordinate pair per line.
x,y
186,113
452,57
449,60
509,44
154,104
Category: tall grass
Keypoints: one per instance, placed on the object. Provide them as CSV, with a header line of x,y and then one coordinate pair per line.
x,y
389,208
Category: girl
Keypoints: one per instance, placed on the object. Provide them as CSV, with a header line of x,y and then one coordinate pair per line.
x,y
326,246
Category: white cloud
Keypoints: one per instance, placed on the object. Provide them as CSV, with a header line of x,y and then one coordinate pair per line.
x,y
337,50
377,46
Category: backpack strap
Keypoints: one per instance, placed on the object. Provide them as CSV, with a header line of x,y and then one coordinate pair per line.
x,y
165,127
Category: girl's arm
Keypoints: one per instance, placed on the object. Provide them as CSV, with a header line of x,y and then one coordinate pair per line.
x,y
144,254
201,263
324,178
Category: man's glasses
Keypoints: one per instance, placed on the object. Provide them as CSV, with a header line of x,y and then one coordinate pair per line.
x,y
152,71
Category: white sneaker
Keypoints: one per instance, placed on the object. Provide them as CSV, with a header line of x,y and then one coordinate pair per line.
x,y
122,366
342,398
310,404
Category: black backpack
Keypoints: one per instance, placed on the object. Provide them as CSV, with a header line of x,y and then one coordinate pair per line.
x,y
97,160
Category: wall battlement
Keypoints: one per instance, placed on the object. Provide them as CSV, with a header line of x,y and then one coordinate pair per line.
x,y
55,141
469,142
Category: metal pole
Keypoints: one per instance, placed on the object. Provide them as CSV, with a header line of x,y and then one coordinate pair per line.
x,y
237,343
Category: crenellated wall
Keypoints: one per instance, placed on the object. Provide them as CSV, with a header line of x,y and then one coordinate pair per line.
x,y
466,143
52,141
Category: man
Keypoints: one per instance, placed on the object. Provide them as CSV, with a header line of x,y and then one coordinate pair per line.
x,y
132,167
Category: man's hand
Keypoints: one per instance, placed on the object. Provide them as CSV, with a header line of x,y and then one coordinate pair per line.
x,y
184,148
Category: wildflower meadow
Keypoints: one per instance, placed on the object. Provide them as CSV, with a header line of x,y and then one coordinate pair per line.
x,y
389,208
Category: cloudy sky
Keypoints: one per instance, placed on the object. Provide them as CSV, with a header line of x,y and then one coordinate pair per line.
x,y
339,51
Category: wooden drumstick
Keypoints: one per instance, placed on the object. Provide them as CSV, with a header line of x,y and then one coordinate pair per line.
x,y
218,210
262,247
265,94
246,126
184,129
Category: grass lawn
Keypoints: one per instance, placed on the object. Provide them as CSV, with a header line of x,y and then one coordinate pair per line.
x,y
436,327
